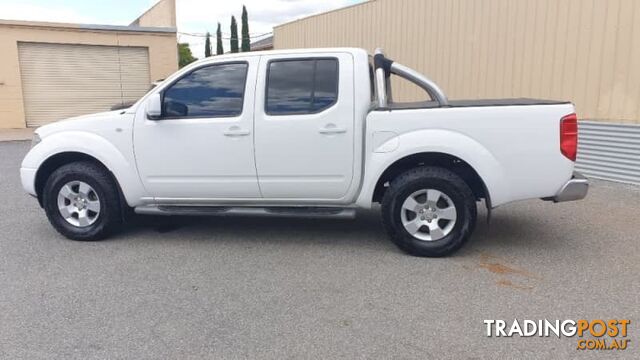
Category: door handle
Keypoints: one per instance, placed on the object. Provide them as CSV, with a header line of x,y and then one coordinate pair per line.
x,y
332,129
236,131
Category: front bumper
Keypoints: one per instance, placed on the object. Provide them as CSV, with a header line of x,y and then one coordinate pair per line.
x,y
575,189
28,179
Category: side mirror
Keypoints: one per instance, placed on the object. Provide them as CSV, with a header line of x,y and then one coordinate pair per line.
x,y
154,107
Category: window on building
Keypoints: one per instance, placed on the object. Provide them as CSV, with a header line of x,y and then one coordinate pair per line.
x,y
303,86
211,91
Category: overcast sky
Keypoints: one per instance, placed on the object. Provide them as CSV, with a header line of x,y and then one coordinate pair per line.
x,y
194,16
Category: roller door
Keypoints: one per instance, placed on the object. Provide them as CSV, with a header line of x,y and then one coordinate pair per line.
x,y
609,151
64,80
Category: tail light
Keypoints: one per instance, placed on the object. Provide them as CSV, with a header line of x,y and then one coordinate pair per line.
x,y
569,136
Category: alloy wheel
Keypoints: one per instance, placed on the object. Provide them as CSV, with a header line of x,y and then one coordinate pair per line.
x,y
78,203
428,214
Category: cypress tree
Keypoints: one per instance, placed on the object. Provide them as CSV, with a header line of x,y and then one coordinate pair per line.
x,y
219,48
207,45
246,42
234,35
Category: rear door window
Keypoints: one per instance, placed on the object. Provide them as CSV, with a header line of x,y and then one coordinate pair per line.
x,y
304,86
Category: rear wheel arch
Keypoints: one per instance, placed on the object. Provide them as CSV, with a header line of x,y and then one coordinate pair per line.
x,y
447,161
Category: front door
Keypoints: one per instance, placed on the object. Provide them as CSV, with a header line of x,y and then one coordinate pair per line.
x,y
202,145
305,126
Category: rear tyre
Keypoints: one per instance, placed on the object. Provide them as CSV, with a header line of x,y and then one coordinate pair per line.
x,y
429,211
82,202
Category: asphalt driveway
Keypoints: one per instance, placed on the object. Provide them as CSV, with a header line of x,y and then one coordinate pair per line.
x,y
282,288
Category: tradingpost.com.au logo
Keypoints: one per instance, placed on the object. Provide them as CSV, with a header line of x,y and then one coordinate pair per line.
x,y
605,334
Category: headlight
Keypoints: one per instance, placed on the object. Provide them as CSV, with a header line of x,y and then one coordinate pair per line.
x,y
35,140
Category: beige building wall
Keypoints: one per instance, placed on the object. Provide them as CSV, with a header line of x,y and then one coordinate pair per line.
x,y
162,14
163,59
586,51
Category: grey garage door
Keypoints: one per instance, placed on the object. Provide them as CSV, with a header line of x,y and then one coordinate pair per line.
x,y
64,80
609,151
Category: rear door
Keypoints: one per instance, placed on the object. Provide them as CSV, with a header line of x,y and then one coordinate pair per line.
x,y
304,126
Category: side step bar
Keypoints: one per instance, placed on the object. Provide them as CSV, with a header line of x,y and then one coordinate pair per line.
x,y
293,211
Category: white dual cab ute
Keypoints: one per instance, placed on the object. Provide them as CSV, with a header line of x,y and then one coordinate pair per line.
x,y
308,133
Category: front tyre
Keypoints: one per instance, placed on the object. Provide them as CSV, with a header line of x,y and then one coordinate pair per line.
x,y
81,201
429,211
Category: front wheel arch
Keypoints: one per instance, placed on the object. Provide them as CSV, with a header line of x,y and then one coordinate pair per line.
x,y
54,162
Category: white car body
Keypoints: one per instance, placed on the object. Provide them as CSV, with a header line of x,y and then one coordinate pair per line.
x,y
334,158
